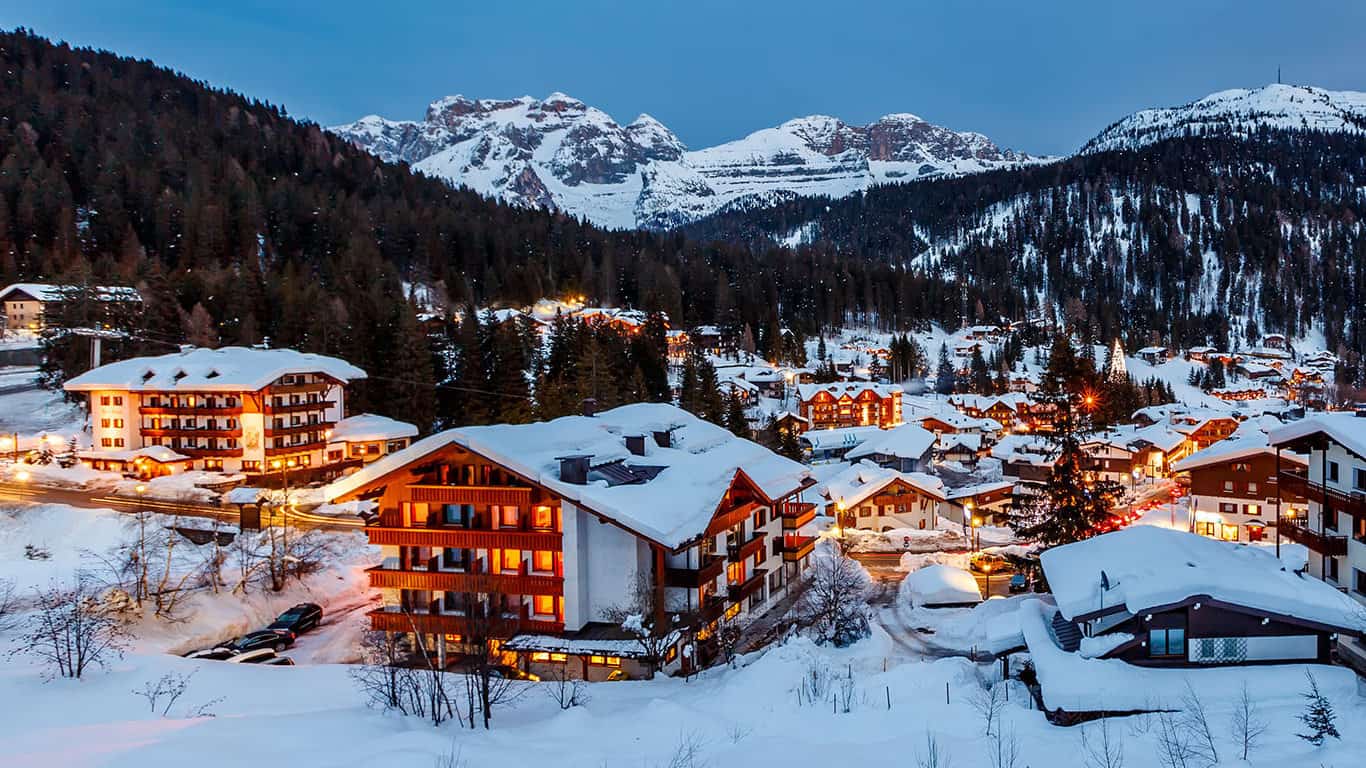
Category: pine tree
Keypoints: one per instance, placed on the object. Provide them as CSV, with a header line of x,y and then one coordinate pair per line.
x,y
735,420
711,406
946,379
1318,715
1068,507
471,385
979,375
408,384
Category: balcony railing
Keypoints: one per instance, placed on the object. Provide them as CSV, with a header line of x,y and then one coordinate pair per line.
x,y
201,453
296,407
199,410
732,518
449,581
469,494
297,429
391,619
695,577
1331,546
749,586
191,432
798,513
797,547
737,552
316,445
463,538
1297,482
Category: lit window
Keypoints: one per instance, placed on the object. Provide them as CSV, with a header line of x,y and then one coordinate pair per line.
x,y
543,560
542,518
545,605
511,560
540,656
558,657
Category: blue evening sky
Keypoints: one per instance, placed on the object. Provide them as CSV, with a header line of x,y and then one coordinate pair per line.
x,y
1038,76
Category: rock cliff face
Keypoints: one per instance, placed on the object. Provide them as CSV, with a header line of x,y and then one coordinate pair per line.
x,y
560,153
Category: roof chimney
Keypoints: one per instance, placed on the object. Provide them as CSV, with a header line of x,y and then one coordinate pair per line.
x,y
590,406
574,469
636,444
663,438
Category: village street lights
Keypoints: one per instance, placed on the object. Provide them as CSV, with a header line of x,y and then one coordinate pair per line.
x,y
11,443
986,569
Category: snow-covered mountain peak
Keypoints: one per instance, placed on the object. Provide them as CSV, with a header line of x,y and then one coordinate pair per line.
x,y
1239,111
561,153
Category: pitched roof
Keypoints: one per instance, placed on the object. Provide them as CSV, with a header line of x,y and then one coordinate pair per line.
x,y
50,292
1242,445
907,441
850,388
1148,567
671,493
1346,429
370,427
866,479
228,369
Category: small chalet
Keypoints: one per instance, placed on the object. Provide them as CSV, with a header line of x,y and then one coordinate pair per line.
x,y
1235,493
907,448
27,305
875,498
1154,355
1156,597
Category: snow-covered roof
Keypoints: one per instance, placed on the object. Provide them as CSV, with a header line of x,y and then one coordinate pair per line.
x,y
1152,351
971,441
246,495
907,441
48,292
978,489
1344,428
1148,567
228,369
851,388
1242,444
838,437
866,479
680,487
370,427
157,453
1024,449
942,585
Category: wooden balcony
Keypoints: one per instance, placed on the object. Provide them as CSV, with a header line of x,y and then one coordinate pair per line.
x,y
171,410
191,432
297,407
737,553
207,453
797,547
711,567
386,620
798,513
754,583
1297,483
464,538
469,494
734,517
445,581
1331,546
298,389
316,445
297,429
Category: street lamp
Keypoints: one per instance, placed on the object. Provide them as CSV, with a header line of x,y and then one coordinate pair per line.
x,y
986,568
22,476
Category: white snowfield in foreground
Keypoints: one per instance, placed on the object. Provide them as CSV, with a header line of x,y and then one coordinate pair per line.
x,y
782,707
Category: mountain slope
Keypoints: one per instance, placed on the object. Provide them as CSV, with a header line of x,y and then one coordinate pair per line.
x,y
1239,112
562,154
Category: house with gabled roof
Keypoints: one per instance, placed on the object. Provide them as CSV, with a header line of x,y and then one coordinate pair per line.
x,y
558,526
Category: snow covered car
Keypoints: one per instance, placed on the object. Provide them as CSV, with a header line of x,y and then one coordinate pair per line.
x,y
212,654
273,639
299,619
258,656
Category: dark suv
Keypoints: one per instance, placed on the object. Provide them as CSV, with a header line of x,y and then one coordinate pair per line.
x,y
299,619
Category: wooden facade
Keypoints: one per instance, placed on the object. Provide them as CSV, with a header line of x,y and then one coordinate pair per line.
x,y
856,407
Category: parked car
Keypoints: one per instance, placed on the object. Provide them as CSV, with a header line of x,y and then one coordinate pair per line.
x,y
1018,583
512,673
274,639
278,661
212,654
258,656
299,619
980,563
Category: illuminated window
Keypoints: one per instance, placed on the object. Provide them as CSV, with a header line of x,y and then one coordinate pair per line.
x,y
507,517
453,638
542,518
558,657
540,656
544,605
732,611
543,560
510,560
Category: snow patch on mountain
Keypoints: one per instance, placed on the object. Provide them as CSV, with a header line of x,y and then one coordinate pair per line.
x,y
1239,112
562,154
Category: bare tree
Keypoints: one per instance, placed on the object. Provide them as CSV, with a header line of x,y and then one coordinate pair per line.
x,y
9,606
1102,746
1173,745
565,689
1195,721
69,631
688,752
934,755
832,604
1248,725
488,621
381,675
641,617
163,694
989,700
1003,748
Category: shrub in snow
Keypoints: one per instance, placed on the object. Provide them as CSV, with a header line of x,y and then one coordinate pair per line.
x,y
1318,716
833,605
69,631
32,552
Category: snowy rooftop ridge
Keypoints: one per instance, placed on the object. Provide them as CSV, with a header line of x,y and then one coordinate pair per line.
x,y
1348,429
370,427
51,292
908,441
1148,567
226,369
672,506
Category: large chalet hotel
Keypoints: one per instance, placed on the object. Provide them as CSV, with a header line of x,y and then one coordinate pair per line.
x,y
849,404
561,528
233,409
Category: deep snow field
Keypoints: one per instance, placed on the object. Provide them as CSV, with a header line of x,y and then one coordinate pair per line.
x,y
758,712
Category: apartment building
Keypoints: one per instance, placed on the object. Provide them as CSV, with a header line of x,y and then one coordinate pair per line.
x,y
849,404
233,409
1235,492
559,527
1333,482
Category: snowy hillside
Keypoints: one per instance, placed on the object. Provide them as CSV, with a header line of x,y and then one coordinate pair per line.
x,y
560,153
1239,112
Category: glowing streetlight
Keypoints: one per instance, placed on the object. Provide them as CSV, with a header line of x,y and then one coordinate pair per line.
x,y
22,476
